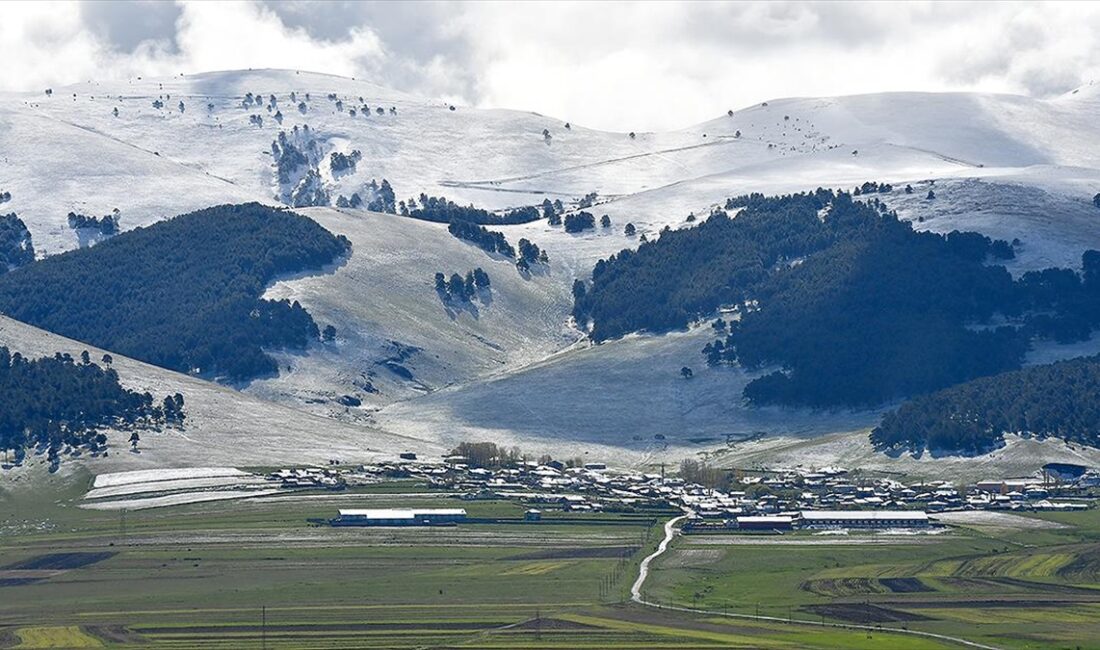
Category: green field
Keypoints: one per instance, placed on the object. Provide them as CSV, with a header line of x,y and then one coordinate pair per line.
x,y
264,573
1021,587
256,573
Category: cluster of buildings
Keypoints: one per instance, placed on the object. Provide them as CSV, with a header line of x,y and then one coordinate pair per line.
x,y
309,477
828,497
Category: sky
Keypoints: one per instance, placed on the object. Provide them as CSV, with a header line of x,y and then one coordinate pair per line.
x,y
624,66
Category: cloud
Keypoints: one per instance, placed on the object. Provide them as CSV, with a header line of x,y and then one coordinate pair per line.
x,y
614,65
127,27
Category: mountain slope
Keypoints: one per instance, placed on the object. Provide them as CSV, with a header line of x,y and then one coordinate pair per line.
x,y
224,427
511,369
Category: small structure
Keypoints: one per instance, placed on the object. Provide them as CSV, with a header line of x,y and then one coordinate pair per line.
x,y
863,519
765,523
532,515
398,517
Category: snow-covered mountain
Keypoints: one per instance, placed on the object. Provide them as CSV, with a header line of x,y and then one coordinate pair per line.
x,y
513,369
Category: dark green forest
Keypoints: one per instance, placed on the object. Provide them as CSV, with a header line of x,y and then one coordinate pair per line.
x,y
56,402
852,305
184,293
16,248
1054,400
666,284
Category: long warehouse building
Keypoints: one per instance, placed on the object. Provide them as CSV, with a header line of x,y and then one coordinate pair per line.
x,y
400,517
863,519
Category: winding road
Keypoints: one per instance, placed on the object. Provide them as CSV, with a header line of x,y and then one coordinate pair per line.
x,y
670,532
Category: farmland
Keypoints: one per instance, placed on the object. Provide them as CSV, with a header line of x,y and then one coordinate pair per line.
x,y
262,573
1011,582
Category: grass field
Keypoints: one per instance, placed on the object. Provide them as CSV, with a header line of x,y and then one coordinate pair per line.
x,y
257,573
1015,588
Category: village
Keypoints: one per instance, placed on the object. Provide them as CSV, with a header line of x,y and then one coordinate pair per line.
x,y
757,500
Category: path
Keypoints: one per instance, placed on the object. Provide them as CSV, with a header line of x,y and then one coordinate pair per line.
x,y
670,532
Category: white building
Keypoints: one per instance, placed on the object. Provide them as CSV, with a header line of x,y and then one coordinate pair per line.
x,y
863,519
399,517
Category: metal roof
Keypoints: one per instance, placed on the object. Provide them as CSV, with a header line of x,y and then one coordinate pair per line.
x,y
395,513
863,515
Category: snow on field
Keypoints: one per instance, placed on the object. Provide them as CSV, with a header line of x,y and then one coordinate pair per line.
x,y
114,479
396,337
178,499
1018,457
1000,520
174,485
510,369
623,399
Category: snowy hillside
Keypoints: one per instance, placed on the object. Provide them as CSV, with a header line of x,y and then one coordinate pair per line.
x,y
223,425
511,368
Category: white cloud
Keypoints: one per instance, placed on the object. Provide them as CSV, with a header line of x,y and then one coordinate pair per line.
x,y
627,66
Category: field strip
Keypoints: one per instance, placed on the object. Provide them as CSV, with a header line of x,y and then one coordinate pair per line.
x,y
351,608
743,540
182,498
993,519
172,485
670,532
168,474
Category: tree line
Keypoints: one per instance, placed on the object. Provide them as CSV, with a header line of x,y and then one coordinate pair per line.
x,y
490,241
1055,400
849,303
686,274
441,210
183,294
58,402
16,246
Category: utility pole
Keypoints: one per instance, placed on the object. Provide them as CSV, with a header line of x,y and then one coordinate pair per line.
x,y
263,626
122,527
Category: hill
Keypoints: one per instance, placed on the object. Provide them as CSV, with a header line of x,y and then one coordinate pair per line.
x,y
1000,165
224,427
183,293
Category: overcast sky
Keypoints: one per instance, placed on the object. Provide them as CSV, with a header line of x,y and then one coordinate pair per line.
x,y
623,66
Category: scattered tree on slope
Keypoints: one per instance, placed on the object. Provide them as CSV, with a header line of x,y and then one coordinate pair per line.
x,y
106,225
441,210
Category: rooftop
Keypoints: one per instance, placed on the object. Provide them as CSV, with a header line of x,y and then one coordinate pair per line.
x,y
864,514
